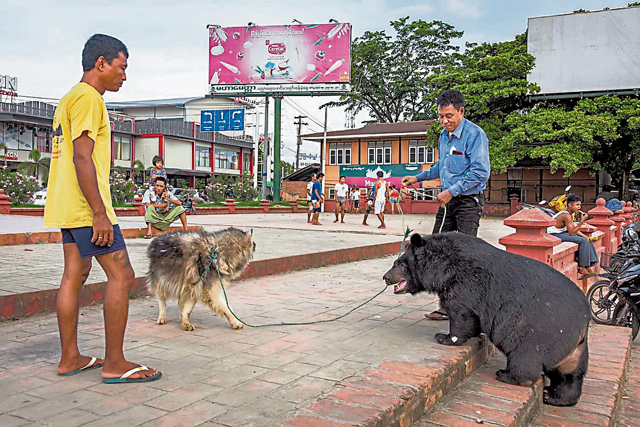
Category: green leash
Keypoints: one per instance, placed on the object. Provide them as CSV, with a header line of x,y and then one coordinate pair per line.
x,y
214,263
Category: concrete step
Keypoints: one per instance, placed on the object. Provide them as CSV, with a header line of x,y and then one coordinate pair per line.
x,y
481,399
609,354
395,393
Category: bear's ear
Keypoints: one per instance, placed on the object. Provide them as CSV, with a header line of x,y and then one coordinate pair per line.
x,y
417,240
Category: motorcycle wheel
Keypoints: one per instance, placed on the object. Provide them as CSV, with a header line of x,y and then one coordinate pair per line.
x,y
624,316
602,302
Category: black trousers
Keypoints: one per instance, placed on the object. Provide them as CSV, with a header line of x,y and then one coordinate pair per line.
x,y
463,215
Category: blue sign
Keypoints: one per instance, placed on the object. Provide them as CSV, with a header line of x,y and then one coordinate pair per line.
x,y
221,120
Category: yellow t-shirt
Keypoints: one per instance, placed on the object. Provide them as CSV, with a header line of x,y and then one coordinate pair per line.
x,y
81,109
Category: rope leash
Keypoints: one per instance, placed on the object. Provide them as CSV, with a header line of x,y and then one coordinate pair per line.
x,y
214,263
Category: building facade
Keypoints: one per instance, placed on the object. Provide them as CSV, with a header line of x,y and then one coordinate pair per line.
x,y
190,155
396,149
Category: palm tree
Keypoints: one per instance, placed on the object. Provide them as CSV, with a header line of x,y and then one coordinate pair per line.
x,y
137,166
33,167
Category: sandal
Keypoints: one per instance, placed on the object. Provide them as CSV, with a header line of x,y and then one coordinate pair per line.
x,y
147,236
91,365
125,377
438,314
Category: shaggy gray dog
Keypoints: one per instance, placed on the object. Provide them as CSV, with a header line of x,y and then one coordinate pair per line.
x,y
178,259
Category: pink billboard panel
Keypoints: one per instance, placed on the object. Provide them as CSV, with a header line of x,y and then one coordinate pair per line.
x,y
316,53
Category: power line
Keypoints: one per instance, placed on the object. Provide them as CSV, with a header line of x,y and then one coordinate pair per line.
x,y
303,111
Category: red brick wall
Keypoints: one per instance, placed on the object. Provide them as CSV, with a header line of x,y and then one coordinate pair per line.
x,y
294,190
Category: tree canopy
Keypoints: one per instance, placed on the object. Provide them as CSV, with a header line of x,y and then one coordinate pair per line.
x,y
389,74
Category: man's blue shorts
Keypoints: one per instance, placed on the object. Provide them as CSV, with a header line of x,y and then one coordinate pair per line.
x,y
82,238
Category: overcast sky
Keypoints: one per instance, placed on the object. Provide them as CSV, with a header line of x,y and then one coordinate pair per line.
x,y
168,42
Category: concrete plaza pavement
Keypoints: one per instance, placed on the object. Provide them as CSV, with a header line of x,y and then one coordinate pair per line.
x,y
39,266
215,375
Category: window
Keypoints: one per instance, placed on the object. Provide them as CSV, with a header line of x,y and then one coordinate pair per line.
x,y
380,153
332,193
203,156
246,161
339,153
226,159
121,148
419,152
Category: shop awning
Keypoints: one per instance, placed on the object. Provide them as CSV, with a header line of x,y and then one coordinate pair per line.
x,y
187,172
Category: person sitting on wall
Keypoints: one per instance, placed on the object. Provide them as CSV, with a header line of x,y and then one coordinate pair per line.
x,y
163,208
568,231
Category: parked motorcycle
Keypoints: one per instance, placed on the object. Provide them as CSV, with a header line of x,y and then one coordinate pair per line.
x,y
614,299
551,208
187,203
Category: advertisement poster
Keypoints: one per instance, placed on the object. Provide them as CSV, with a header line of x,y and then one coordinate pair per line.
x,y
365,176
289,54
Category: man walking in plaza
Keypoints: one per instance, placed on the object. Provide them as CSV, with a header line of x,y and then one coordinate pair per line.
x,y
463,168
79,203
342,191
309,202
380,198
317,198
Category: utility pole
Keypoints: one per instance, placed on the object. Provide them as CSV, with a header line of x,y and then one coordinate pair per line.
x,y
265,155
277,166
299,122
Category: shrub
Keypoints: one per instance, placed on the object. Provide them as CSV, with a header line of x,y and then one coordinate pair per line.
x,y
18,186
122,188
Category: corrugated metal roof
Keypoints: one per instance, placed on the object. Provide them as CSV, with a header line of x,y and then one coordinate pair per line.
x,y
377,129
151,103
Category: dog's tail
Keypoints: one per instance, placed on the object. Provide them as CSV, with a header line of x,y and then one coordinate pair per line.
x,y
163,247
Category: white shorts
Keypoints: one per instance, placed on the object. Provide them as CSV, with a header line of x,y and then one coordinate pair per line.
x,y
379,207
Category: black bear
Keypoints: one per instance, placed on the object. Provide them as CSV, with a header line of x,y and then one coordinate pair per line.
x,y
532,313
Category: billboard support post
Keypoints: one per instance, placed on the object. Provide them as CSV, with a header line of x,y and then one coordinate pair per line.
x,y
277,166
265,155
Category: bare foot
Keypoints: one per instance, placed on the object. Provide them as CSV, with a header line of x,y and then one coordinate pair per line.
x,y
70,365
382,226
364,223
119,369
335,221
341,222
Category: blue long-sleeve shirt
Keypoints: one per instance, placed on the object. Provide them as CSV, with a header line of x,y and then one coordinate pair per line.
x,y
466,173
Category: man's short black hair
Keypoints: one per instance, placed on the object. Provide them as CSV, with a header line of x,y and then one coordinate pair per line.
x,y
380,174
572,198
451,97
161,178
320,175
342,176
101,45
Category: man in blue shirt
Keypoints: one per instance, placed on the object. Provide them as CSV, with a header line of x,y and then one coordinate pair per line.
x,y
463,168
317,198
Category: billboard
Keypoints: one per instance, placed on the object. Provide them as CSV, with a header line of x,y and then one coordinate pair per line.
x,y
365,176
290,57
586,52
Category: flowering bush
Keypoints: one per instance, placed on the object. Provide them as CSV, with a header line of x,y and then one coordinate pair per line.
x,y
18,186
122,188
215,190
222,186
243,190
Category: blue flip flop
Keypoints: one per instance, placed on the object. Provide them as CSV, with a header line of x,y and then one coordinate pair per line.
x,y
125,377
89,365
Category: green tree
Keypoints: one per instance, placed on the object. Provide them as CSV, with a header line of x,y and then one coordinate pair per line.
x,y
37,161
493,79
138,169
389,75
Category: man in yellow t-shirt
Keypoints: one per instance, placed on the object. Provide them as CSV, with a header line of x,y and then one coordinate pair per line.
x,y
79,203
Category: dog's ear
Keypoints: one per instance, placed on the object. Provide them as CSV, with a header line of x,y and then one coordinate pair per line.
x,y
417,240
